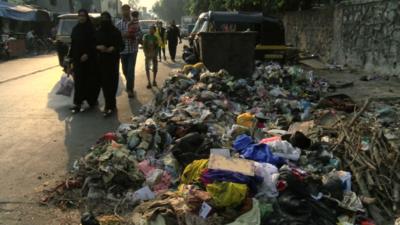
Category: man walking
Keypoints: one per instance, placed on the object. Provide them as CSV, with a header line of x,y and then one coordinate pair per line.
x,y
173,34
129,54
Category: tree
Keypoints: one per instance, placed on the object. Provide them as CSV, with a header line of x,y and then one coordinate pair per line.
x,y
133,3
195,7
169,9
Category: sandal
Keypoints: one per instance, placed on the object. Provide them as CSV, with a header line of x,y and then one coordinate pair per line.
x,y
75,109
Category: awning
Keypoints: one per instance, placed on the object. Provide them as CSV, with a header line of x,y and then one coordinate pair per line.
x,y
22,13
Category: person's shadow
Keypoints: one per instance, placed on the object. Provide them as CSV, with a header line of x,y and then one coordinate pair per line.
x,y
82,130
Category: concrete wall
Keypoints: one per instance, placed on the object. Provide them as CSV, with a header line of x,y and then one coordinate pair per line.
x,y
363,34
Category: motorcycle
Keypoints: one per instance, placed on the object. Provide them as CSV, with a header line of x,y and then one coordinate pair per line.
x,y
4,49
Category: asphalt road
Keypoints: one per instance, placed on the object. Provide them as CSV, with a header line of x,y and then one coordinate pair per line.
x,y
40,139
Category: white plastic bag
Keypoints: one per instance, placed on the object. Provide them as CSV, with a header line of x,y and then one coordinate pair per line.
x,y
270,174
121,86
285,150
66,86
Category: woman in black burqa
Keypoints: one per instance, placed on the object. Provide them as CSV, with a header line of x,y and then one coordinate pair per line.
x,y
109,44
83,58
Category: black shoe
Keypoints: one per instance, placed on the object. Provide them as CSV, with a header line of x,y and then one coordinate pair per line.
x,y
93,105
154,83
149,86
75,109
131,94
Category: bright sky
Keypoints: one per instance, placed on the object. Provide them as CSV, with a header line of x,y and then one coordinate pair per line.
x,y
146,3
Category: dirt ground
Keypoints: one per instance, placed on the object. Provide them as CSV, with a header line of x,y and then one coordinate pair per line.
x,y
380,87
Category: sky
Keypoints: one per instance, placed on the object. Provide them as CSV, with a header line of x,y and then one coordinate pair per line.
x,y
146,3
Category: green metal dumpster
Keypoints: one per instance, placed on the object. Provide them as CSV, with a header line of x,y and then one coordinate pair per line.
x,y
233,51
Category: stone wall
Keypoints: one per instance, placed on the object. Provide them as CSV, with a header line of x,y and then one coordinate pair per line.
x,y
311,30
364,35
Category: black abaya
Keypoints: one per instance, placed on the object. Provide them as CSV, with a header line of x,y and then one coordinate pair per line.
x,y
108,63
87,83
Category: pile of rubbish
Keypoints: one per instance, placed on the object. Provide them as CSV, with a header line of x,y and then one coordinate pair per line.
x,y
272,149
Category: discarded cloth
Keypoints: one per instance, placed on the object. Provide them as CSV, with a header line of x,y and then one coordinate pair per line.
x,y
210,176
244,144
227,194
192,172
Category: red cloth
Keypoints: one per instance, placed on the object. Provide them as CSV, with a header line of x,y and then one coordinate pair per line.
x,y
133,29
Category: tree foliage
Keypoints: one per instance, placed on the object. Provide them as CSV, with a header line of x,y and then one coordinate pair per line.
x,y
133,3
168,9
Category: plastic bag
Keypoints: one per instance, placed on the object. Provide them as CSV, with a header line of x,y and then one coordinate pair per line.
x,y
245,120
285,150
66,86
252,217
227,194
270,174
121,86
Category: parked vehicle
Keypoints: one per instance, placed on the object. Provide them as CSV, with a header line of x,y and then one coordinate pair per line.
x,y
146,24
185,22
4,50
63,38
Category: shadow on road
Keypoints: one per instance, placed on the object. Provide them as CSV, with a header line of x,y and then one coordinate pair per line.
x,y
83,129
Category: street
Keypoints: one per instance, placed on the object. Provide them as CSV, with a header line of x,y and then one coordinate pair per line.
x,y
39,137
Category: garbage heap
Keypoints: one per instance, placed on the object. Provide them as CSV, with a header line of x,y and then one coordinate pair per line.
x,y
270,149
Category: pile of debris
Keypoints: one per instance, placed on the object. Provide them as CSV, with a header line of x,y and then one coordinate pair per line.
x,y
271,149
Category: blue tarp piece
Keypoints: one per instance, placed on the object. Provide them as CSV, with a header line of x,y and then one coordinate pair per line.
x,y
246,147
21,13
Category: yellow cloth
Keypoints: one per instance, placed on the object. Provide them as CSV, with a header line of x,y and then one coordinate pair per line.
x,y
161,43
188,67
227,194
199,66
193,171
246,120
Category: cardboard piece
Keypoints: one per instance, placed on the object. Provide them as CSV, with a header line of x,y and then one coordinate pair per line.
x,y
238,165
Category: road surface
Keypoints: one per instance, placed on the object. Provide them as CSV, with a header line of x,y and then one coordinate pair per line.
x,y
40,139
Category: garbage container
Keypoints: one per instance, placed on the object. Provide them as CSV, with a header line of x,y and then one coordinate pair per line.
x,y
233,51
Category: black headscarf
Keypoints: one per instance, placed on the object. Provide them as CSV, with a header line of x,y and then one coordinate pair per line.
x,y
82,38
106,24
108,35
81,29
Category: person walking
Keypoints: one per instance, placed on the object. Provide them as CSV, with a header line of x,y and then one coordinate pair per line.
x,y
109,44
82,54
173,34
129,54
161,33
150,48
